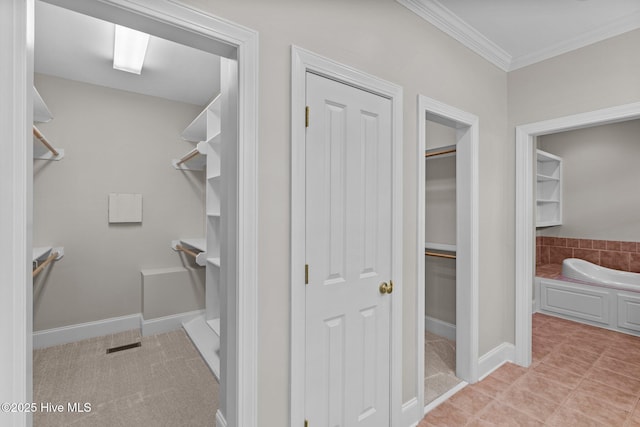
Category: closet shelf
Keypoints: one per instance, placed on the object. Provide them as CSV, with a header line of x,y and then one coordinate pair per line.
x,y
43,256
215,325
214,261
439,247
190,246
541,178
41,112
446,151
206,125
193,160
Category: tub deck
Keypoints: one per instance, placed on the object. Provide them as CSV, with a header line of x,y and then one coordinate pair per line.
x,y
595,305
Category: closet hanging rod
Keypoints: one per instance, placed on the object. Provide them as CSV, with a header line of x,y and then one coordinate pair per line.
x,y
190,155
186,251
47,261
439,153
42,139
436,254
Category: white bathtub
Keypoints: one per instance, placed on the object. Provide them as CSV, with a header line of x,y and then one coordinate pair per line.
x,y
584,271
593,295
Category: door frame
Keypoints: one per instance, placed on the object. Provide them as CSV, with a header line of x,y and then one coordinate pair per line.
x,y
525,207
16,185
303,61
467,232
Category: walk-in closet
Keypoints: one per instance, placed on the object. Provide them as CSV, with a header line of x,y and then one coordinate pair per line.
x,y
440,259
131,212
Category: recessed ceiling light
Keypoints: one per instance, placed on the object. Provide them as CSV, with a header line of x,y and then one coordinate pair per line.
x,y
129,49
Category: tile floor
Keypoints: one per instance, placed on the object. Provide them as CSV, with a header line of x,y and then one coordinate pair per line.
x,y
580,376
439,366
164,382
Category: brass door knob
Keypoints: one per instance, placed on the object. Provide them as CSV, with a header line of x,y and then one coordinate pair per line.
x,y
385,288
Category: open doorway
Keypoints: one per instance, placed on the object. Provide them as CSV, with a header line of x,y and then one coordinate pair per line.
x,y
183,25
526,155
447,250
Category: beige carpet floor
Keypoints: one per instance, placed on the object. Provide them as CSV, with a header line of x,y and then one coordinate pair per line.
x,y
164,382
439,366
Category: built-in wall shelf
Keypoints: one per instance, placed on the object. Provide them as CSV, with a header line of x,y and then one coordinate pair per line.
x,y
41,112
207,341
440,152
445,247
205,130
206,125
196,247
548,189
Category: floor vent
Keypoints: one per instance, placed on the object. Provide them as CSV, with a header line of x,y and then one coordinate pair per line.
x,y
123,347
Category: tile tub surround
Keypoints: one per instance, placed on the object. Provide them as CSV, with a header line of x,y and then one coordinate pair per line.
x,y
624,256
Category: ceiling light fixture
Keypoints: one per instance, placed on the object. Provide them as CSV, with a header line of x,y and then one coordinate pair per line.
x,y
129,49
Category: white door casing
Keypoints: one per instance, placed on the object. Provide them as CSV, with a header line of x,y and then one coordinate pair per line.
x,y
302,62
348,251
467,235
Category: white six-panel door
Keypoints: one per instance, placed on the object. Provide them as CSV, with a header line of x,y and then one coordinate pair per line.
x,y
348,253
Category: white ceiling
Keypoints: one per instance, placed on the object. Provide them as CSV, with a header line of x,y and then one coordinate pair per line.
x,y
516,33
77,47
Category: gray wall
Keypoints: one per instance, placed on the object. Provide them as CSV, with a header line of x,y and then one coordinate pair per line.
x,y
114,142
600,181
383,38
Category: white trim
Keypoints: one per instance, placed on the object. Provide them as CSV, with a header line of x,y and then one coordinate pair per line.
x,y
83,331
213,34
525,220
467,240
220,421
615,28
495,358
169,323
444,19
444,397
301,62
409,410
16,215
438,327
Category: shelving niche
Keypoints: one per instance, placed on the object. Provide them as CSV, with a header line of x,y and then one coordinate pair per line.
x,y
548,189
205,129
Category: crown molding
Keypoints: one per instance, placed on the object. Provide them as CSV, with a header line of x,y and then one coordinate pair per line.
x,y
442,18
620,26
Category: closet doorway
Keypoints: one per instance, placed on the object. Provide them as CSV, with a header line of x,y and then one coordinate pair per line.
x,y
234,44
447,251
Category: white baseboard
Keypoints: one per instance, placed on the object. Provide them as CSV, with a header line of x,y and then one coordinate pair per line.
x,y
438,327
82,331
492,360
411,413
434,403
167,323
220,421
114,325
